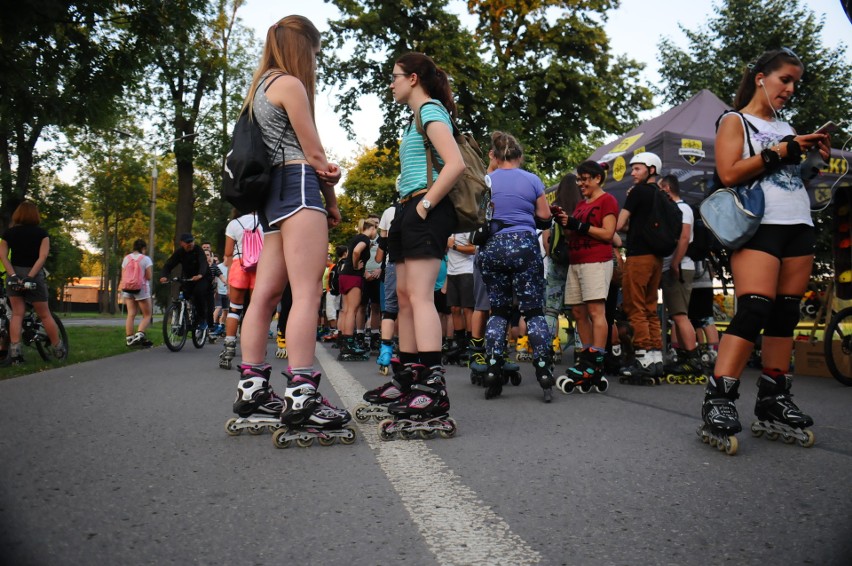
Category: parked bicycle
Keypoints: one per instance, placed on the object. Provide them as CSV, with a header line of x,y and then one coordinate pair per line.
x,y
181,319
33,333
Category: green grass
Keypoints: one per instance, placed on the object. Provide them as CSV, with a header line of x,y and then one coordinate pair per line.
x,y
85,343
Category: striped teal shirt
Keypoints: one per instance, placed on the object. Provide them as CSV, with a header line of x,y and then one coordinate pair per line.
x,y
412,154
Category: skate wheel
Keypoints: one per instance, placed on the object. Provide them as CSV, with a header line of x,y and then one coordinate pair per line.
x,y
407,434
568,386
810,440
602,385
692,380
713,442
361,413
671,379
772,435
515,379
427,434
325,441
493,391
384,434
384,370
560,380
585,387
731,445
682,380
278,438
306,442
281,353
452,429
702,380
756,431
255,430
350,435
231,428
788,438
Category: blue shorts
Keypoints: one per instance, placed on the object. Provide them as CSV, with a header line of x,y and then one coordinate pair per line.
x,y
390,303
293,188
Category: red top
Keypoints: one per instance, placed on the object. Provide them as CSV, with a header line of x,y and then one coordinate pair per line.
x,y
584,248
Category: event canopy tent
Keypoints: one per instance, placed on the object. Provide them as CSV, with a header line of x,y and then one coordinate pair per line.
x,y
683,138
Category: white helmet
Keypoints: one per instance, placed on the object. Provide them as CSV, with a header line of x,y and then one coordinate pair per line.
x,y
649,160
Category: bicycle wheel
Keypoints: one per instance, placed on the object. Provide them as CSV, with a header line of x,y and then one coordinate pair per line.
x,y
42,342
174,329
838,346
199,337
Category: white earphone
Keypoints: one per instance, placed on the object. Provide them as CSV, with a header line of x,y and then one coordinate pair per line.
x,y
760,82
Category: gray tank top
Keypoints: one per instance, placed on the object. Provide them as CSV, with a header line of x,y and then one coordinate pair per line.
x,y
278,134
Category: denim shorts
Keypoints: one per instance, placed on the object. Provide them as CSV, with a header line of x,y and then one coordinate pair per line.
x,y
293,188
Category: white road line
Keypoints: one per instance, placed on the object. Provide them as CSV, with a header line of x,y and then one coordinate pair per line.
x,y
456,525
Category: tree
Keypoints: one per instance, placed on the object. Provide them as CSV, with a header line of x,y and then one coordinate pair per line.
x,y
61,64
738,34
539,69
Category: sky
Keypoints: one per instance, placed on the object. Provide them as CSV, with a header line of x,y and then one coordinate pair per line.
x,y
650,20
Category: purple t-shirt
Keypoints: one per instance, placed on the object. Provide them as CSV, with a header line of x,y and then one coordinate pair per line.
x,y
513,194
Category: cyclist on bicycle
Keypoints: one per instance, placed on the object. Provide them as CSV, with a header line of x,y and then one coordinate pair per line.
x,y
30,246
194,267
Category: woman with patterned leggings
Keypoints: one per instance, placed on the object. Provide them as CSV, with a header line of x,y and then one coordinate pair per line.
x,y
511,262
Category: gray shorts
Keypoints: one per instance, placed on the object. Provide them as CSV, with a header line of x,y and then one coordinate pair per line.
x,y
460,290
675,292
293,188
37,295
481,302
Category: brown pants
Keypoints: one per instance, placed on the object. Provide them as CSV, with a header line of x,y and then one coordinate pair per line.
x,y
639,288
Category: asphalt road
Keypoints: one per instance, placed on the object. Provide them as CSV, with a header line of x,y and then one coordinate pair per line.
x,y
126,461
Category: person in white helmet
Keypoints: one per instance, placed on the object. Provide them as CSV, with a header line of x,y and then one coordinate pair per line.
x,y
642,271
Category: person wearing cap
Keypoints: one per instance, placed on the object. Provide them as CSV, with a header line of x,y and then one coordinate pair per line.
x,y
642,270
194,268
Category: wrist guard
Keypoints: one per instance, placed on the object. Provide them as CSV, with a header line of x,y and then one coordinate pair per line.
x,y
542,224
771,160
794,151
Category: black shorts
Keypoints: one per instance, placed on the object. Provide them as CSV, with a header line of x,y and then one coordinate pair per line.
x,y
781,240
441,303
700,304
370,291
412,237
460,290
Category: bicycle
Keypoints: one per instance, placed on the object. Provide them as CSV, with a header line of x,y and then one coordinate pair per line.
x,y
33,333
838,346
180,319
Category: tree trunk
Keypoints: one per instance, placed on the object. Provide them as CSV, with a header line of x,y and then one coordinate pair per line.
x,y
186,198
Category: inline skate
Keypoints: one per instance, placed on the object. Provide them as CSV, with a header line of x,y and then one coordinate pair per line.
x,y
640,371
478,366
544,375
423,409
257,406
377,400
351,352
139,340
708,355
688,369
523,351
587,374
776,412
385,355
494,379
557,350
511,371
721,421
456,351
229,351
375,341
281,342
308,415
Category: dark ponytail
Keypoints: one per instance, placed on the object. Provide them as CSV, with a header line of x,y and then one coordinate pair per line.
x,y
434,80
767,63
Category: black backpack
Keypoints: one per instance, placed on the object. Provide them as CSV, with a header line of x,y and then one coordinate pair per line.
x,y
703,241
247,172
334,278
665,222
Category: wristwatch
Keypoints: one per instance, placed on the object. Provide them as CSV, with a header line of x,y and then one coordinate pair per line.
x,y
427,206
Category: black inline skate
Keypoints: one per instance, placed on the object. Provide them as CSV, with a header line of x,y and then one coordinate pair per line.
x,y
478,366
587,374
777,414
258,408
688,369
544,375
455,351
377,400
423,410
640,371
494,379
721,421
351,352
308,415
375,341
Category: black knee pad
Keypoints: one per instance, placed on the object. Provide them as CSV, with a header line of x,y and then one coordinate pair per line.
x,y
784,318
532,313
389,316
753,311
503,312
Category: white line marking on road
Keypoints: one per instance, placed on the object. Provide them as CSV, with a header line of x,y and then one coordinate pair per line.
x,y
457,526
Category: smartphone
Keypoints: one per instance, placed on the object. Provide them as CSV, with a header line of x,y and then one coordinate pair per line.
x,y
827,128
555,210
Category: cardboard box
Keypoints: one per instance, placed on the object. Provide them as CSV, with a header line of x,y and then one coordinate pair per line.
x,y
810,359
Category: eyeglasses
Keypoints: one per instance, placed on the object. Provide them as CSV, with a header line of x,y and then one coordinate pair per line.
x,y
395,75
583,179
